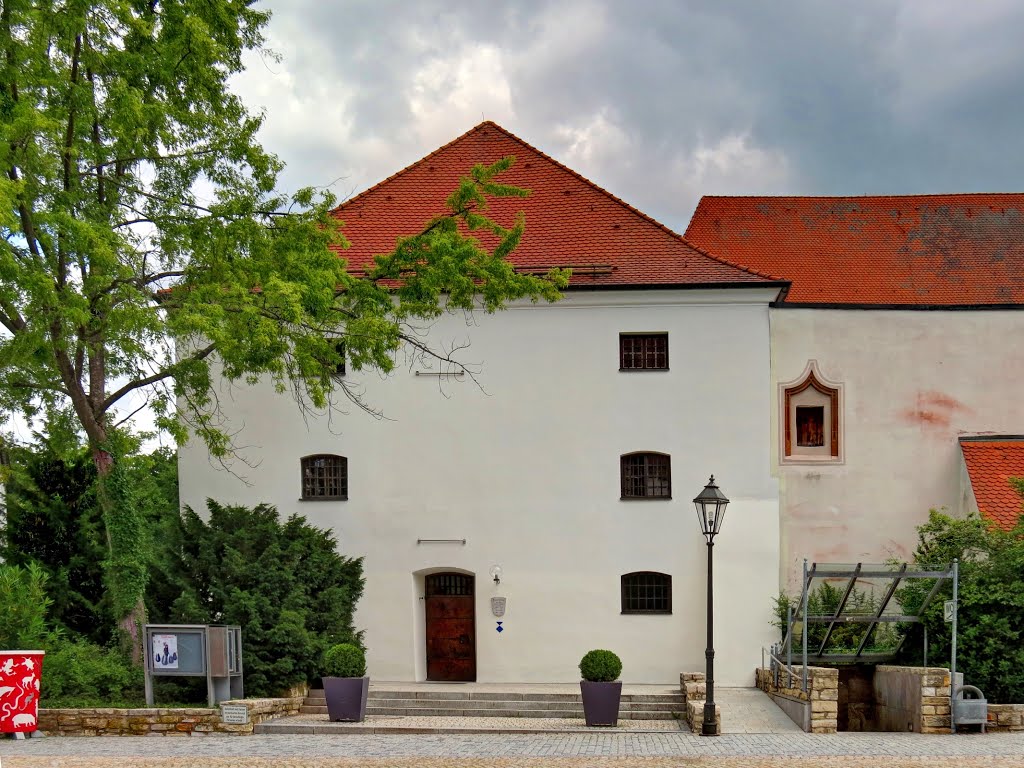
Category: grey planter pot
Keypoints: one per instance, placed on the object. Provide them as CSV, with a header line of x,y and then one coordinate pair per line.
x,y
601,702
346,698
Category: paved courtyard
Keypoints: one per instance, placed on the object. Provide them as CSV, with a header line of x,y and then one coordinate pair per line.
x,y
647,750
744,710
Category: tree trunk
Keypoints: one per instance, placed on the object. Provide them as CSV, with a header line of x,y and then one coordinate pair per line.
x,y
126,569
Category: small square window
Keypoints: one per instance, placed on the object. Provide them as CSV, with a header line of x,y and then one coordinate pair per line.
x,y
646,476
324,478
643,351
646,592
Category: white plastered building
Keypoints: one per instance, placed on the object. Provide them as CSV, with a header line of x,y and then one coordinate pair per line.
x,y
570,463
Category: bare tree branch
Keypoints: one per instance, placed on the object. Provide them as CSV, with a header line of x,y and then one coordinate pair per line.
x,y
158,376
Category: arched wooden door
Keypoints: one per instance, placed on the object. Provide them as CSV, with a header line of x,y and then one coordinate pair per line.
x,y
450,627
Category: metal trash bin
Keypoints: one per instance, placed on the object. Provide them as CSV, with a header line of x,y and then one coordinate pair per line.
x,y
970,711
19,691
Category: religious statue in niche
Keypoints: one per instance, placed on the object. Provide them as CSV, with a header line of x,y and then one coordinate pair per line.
x,y
810,425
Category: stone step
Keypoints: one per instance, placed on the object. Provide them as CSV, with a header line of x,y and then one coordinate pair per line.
x,y
640,702
523,713
428,702
316,696
496,708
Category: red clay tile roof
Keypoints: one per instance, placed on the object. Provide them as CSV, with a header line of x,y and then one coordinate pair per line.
x,y
990,464
570,221
904,250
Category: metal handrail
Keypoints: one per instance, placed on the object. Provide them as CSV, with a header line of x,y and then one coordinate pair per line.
x,y
777,666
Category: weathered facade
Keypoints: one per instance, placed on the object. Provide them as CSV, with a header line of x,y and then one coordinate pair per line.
x,y
910,307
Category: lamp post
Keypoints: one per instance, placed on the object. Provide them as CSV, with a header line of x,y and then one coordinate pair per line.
x,y
710,504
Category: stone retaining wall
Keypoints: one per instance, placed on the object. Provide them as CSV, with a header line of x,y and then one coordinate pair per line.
x,y
695,694
1005,717
161,722
816,710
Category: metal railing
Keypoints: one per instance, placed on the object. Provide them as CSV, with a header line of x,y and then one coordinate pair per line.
x,y
777,667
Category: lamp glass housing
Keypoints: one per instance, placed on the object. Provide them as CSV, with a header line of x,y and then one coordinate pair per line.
x,y
710,504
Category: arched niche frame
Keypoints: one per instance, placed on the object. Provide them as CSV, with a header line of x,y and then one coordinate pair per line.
x,y
811,418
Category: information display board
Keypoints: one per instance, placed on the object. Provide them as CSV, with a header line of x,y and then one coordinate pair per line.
x,y
196,650
177,651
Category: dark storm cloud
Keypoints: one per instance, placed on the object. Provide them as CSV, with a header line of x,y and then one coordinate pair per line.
x,y
658,101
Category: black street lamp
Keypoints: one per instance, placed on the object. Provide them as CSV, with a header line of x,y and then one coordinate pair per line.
x,y
710,504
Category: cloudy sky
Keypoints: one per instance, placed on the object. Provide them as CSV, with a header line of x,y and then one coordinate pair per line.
x,y
660,101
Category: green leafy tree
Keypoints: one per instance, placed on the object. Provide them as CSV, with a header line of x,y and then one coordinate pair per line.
x,y
138,209
283,582
990,615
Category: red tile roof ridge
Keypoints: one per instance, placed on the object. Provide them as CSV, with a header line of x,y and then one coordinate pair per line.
x,y
412,165
886,251
593,185
991,438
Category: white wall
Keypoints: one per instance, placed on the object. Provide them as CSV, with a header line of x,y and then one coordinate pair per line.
x,y
914,381
527,471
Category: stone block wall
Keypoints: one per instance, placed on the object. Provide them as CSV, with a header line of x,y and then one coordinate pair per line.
x,y
695,694
1005,717
819,704
161,721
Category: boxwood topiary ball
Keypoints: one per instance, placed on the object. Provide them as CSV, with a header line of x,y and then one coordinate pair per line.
x,y
600,666
344,660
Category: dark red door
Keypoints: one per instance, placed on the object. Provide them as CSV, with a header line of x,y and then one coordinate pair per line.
x,y
451,632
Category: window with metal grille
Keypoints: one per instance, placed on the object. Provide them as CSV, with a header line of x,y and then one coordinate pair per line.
x,y
339,369
449,584
646,476
643,351
646,592
325,477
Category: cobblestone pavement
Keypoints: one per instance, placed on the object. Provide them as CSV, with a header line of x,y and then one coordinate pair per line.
x,y
652,750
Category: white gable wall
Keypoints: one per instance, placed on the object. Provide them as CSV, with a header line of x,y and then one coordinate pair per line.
x,y
913,382
527,471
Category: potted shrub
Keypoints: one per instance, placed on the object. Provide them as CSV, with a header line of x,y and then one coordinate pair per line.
x,y
345,683
601,687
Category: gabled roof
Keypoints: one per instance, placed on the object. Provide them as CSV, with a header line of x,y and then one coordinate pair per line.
x,y
570,221
900,250
991,462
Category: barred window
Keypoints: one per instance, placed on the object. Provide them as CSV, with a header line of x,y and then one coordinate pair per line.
x,y
325,477
646,476
646,592
449,584
643,351
339,369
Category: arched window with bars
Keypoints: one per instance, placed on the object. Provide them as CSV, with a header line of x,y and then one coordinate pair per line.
x,y
324,477
646,592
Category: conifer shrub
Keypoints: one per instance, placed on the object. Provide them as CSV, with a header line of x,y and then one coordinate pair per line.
x,y
282,580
